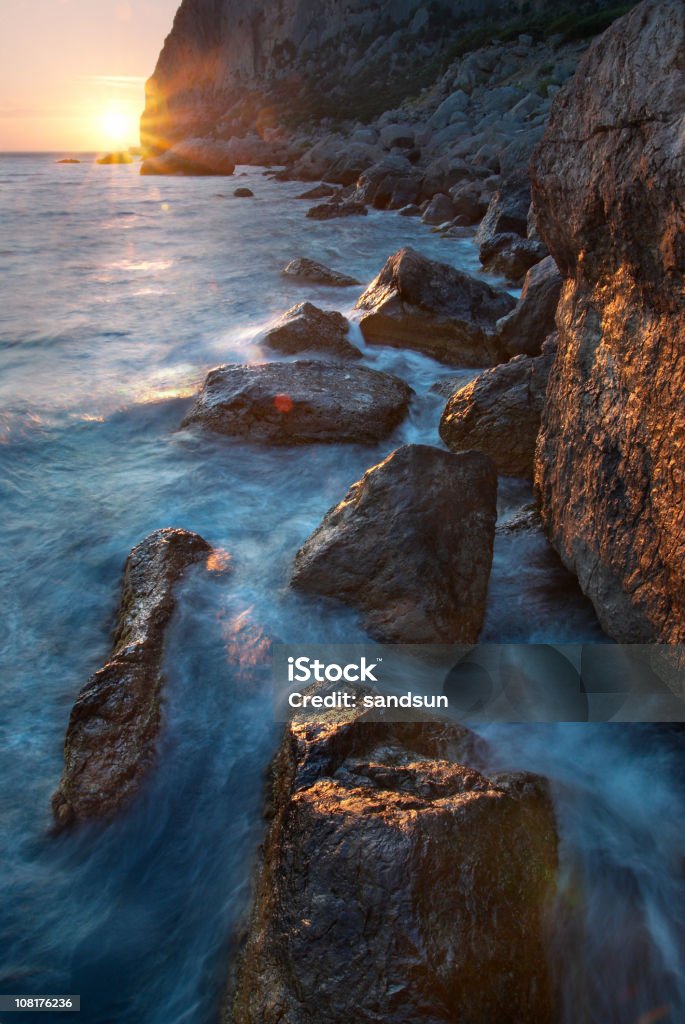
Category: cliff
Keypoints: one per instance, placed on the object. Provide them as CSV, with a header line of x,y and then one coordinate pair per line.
x,y
230,67
609,191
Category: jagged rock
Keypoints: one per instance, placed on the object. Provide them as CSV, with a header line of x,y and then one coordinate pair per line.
x,y
469,200
523,331
409,546
302,402
439,210
309,270
192,157
243,193
114,725
390,184
609,190
306,328
319,192
507,213
328,211
443,173
419,303
398,885
498,413
511,255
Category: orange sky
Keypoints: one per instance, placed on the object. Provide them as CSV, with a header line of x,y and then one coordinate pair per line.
x,y
72,71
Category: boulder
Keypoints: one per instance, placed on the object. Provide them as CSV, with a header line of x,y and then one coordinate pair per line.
x,y
498,413
114,725
390,184
469,200
328,211
507,213
309,270
192,157
398,885
302,402
511,256
454,105
523,331
397,135
433,308
409,546
306,328
115,158
319,192
243,193
439,210
609,190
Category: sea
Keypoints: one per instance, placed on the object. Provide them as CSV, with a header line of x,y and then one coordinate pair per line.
x,y
117,294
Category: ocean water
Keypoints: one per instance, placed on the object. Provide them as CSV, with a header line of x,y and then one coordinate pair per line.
x,y
118,293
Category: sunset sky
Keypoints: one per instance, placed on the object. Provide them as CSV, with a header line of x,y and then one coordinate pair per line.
x,y
72,72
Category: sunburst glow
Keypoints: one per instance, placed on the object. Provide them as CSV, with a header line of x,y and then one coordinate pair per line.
x,y
118,127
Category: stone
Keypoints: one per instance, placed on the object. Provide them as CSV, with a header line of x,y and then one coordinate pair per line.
x,y
309,270
306,328
328,211
511,256
507,213
319,192
303,402
390,184
114,726
409,546
456,103
439,210
192,157
523,331
243,193
433,308
115,158
609,191
499,412
400,135
398,885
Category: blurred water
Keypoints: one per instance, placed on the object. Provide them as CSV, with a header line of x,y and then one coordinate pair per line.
x,y
118,293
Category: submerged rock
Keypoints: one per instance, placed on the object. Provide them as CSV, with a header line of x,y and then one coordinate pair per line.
x,y
68,160
329,211
398,885
523,331
409,546
319,192
114,724
498,413
306,328
115,158
195,157
302,402
243,193
609,190
433,308
310,270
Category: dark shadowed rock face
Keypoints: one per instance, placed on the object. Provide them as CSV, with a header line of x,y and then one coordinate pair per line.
x,y
511,256
409,546
303,402
330,211
192,157
523,331
114,724
309,270
431,307
609,189
499,413
398,885
306,328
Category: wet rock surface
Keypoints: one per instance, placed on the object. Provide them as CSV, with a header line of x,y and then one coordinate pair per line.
x,y
114,725
397,884
306,328
523,331
302,402
499,413
195,157
309,270
609,190
431,307
409,546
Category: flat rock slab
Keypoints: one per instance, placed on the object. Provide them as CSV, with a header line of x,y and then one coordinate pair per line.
x,y
114,724
431,307
397,885
303,402
409,546
306,328
309,270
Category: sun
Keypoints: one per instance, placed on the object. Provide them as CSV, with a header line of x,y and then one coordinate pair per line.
x,y
118,127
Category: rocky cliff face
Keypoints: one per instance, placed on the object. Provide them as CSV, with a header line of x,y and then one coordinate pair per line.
x,y
221,59
609,190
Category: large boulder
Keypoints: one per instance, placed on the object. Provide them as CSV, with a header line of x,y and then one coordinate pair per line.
x,y
498,413
306,328
302,402
390,184
114,725
192,157
397,885
409,546
333,210
511,256
523,331
609,190
507,213
309,270
431,307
